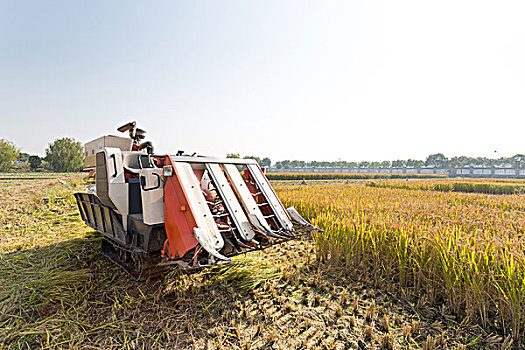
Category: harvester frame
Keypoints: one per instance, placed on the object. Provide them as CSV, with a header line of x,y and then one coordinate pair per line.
x,y
157,211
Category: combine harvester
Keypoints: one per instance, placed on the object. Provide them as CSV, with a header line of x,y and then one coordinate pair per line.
x,y
159,211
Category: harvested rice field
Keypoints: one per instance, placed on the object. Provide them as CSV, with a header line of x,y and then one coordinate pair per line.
x,y
375,280
10,179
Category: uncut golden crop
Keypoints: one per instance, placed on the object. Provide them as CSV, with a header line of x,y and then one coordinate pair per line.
x,y
464,250
347,176
488,186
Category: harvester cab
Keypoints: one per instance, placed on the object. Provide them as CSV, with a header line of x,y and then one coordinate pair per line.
x,y
156,211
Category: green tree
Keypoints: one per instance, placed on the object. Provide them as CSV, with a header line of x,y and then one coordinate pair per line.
x,y
482,161
437,160
233,155
459,161
400,163
34,162
65,155
296,163
266,161
22,157
285,164
418,163
8,154
386,164
518,160
411,163
257,159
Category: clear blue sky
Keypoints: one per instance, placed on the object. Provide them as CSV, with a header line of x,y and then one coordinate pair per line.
x,y
323,80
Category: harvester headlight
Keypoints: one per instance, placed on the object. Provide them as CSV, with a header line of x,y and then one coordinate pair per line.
x,y
167,171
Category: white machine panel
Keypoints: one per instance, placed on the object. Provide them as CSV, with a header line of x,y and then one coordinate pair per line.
x,y
117,186
152,193
93,147
114,167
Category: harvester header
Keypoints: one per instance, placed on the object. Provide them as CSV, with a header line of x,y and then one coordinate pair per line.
x,y
158,210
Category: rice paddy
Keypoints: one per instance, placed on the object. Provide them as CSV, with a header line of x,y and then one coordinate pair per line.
x,y
488,186
348,176
463,251
58,291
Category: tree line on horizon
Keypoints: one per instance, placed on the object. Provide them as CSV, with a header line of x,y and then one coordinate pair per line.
x,y
66,155
62,155
436,160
